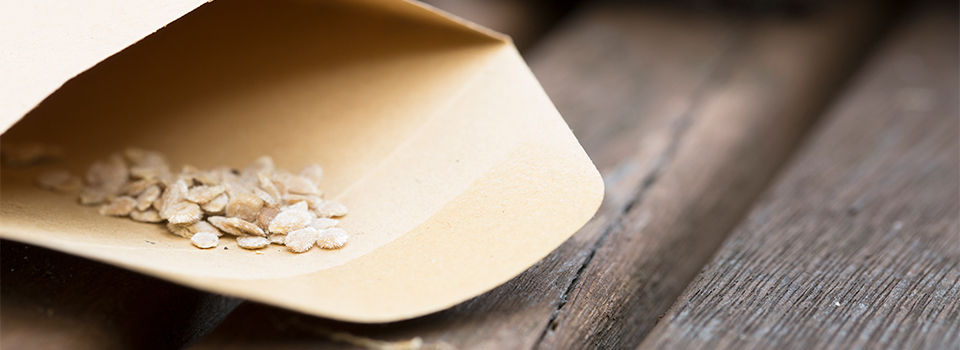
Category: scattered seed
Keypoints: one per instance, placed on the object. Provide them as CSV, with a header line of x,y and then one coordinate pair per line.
x,y
289,220
149,215
301,240
147,197
216,205
266,215
331,209
332,238
204,240
60,181
184,213
244,205
261,205
205,193
252,242
120,206
323,223
235,226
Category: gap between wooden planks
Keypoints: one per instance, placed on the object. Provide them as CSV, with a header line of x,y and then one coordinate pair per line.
x,y
688,116
858,244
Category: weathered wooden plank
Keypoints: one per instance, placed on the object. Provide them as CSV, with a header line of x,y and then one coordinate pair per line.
x,y
51,300
858,244
687,115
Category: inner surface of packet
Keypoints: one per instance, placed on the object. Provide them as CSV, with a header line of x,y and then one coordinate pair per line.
x,y
436,136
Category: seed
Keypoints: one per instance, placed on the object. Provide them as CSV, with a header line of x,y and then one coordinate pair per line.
x,y
332,238
216,205
290,219
184,213
236,226
172,195
149,215
120,206
244,205
146,198
252,242
60,181
204,240
277,238
296,184
136,187
92,196
266,215
204,194
187,230
301,240
331,209
323,223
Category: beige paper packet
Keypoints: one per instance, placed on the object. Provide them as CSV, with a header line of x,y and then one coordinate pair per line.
x,y
458,171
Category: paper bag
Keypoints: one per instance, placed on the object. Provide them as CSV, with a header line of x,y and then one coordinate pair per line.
x,y
458,171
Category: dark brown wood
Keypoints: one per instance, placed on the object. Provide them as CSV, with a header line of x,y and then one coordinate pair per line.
x,y
858,244
51,300
687,115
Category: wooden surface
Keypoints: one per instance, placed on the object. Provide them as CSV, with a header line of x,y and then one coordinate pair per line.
x,y
686,137
858,244
689,115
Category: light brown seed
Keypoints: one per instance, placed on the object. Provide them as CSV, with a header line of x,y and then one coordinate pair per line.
x,y
289,220
184,213
108,175
92,196
267,185
120,206
244,205
149,215
267,198
296,184
203,194
136,187
187,230
301,240
252,242
146,198
331,209
60,181
235,226
277,238
204,240
216,205
172,195
332,238
323,223
266,215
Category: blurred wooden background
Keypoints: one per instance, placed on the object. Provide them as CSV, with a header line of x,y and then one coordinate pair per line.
x,y
780,174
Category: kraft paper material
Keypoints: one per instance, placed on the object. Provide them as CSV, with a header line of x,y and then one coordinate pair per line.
x,y
458,171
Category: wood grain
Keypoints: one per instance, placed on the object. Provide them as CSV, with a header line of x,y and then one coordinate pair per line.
x,y
51,300
858,244
687,115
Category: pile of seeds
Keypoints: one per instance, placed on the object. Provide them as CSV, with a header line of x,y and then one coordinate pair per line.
x,y
257,205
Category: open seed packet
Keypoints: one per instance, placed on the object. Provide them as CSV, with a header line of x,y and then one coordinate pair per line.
x,y
456,168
